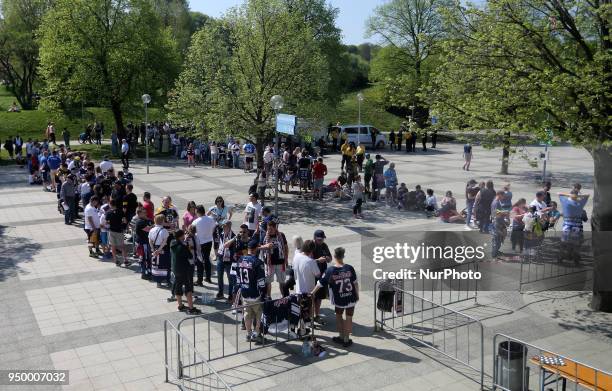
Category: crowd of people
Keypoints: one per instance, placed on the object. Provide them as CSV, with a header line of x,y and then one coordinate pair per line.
x,y
177,250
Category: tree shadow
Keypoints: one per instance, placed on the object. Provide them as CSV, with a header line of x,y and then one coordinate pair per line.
x,y
15,251
333,212
559,180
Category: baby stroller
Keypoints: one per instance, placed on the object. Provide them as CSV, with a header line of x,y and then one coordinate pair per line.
x,y
85,138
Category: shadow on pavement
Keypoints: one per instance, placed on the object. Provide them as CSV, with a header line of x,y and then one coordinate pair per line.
x,y
13,252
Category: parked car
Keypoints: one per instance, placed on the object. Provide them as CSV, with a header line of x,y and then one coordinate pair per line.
x,y
362,134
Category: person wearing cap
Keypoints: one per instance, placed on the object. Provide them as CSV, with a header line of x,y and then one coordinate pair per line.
x,y
322,256
251,278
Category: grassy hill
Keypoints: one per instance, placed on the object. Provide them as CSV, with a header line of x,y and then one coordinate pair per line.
x,y
372,110
32,123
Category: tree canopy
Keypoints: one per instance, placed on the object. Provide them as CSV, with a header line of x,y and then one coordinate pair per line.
x,y
411,30
524,66
19,21
110,51
237,63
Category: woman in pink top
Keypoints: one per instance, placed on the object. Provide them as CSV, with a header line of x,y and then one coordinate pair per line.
x,y
189,215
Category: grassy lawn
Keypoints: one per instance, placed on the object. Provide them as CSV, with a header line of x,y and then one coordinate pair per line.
x,y
372,111
32,123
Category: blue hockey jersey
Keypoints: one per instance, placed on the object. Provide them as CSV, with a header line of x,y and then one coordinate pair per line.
x,y
251,277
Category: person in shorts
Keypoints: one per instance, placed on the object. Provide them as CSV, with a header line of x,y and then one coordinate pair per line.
x,y
251,278
116,226
322,256
275,251
341,280
319,170
180,254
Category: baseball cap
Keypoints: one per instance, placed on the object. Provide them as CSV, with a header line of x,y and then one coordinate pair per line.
x,y
253,244
319,234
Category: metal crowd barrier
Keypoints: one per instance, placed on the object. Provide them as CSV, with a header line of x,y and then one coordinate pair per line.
x,y
185,366
516,363
447,292
546,262
455,335
219,334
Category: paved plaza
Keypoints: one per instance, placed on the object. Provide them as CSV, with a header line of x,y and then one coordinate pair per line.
x,y
61,309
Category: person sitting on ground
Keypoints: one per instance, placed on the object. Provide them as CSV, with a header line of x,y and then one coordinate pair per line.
x,y
14,108
448,211
182,271
431,203
419,198
402,196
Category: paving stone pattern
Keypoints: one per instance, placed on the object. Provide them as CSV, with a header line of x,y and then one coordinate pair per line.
x,y
61,309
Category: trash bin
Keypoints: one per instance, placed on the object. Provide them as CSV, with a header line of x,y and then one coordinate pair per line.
x,y
512,371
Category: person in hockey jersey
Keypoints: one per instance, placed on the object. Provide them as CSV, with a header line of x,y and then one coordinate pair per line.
x,y
251,278
341,280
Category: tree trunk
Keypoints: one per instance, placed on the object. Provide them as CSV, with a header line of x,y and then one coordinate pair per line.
x,y
601,224
118,115
505,154
260,143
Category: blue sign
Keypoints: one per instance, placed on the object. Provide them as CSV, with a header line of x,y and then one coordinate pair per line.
x,y
286,123
434,120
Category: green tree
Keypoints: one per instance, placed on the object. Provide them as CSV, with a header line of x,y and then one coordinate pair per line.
x,y
524,66
18,47
321,17
236,64
176,16
108,50
413,29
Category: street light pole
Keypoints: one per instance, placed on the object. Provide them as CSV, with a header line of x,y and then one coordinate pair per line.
x,y
359,100
146,99
277,102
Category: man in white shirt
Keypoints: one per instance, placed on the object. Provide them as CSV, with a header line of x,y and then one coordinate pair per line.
x,y
205,226
125,154
252,212
106,165
92,225
540,204
268,157
306,269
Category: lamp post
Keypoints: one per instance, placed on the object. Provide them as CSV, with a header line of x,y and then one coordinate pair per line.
x,y
359,100
146,99
277,102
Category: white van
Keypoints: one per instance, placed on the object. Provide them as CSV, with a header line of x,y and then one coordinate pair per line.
x,y
361,134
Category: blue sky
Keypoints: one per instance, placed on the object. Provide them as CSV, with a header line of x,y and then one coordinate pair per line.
x,y
352,17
